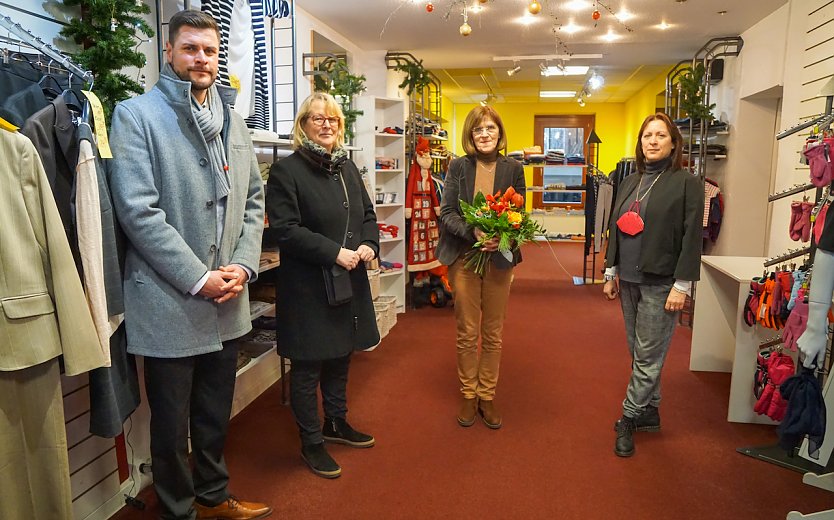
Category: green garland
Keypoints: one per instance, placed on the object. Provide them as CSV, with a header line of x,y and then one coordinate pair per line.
x,y
416,77
336,79
107,32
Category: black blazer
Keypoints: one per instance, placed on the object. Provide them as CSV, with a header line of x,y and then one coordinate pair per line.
x,y
456,236
674,223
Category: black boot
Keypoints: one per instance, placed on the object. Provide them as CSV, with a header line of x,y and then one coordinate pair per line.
x,y
648,421
624,446
339,431
320,461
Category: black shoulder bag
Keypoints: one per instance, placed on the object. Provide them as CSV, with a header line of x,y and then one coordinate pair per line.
x,y
337,278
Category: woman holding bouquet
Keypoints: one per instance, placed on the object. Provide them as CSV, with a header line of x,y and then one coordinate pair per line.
x,y
480,300
654,250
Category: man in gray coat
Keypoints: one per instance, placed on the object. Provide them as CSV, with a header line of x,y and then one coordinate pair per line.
x,y
189,196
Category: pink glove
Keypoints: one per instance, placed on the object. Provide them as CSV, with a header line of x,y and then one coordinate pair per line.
x,y
795,324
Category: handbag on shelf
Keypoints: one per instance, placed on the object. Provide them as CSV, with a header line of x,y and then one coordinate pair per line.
x,y
337,278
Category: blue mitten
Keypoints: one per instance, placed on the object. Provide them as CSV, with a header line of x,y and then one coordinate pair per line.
x,y
813,341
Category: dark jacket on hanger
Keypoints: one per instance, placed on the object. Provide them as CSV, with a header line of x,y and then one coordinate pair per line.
x,y
671,242
456,236
308,211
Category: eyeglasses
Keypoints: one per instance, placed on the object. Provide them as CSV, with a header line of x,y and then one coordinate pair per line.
x,y
490,129
319,120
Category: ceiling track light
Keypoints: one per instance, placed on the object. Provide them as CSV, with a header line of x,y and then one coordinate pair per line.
x,y
515,70
580,101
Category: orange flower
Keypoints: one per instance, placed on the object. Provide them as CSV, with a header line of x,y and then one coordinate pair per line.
x,y
518,200
508,195
514,217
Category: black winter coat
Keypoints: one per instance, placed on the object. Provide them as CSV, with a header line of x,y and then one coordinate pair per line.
x,y
307,211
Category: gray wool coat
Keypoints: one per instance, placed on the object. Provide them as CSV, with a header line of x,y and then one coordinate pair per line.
x,y
164,196
307,213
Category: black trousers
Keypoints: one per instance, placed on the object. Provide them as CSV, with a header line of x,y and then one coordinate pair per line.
x,y
305,378
192,393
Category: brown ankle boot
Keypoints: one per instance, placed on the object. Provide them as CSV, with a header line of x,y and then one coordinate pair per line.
x,y
466,415
489,414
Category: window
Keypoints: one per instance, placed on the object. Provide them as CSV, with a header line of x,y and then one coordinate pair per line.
x,y
561,186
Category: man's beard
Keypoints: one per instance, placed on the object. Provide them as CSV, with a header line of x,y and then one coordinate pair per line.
x,y
198,85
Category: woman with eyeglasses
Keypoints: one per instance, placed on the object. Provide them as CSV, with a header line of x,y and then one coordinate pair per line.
x,y
480,302
323,220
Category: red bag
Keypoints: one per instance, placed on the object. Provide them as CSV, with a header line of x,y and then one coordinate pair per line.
x,y
631,223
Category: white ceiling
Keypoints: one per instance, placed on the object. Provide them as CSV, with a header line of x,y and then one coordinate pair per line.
x,y
627,65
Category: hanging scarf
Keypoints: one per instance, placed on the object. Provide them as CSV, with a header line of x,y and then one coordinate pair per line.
x,y
317,155
210,121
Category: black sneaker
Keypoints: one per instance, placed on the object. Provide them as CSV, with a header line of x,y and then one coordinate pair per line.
x,y
648,421
320,461
624,445
339,431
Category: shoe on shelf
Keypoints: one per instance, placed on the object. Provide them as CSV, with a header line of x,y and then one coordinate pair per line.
x,y
468,411
489,414
320,462
337,430
648,421
624,445
232,509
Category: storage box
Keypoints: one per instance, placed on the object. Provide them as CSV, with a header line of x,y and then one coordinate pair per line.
x,y
373,280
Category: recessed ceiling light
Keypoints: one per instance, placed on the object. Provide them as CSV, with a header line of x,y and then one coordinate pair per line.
x,y
557,93
722,13
577,5
476,8
624,15
610,36
527,19
571,27
663,25
569,70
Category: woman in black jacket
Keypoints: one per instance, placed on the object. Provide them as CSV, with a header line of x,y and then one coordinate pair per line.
x,y
480,301
321,216
654,251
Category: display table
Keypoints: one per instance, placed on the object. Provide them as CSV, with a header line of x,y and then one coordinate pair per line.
x,y
721,341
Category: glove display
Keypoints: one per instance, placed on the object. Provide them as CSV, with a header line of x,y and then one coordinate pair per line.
x,y
795,325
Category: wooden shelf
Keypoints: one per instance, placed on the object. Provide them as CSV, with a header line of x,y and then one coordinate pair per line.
x,y
269,260
393,272
383,134
390,240
390,205
388,170
258,309
255,360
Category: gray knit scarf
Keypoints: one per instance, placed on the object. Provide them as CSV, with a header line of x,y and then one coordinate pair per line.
x,y
337,153
210,120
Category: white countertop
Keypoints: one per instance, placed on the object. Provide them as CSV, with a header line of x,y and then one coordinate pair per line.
x,y
739,268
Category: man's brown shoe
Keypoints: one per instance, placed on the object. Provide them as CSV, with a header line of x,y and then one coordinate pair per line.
x,y
233,509
468,409
489,414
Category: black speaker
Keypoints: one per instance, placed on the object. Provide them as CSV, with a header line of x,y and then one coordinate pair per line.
x,y
716,71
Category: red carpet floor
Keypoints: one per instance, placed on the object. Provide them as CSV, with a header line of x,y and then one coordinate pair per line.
x,y
563,377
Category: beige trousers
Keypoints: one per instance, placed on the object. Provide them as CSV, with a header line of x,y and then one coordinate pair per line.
x,y
480,308
34,469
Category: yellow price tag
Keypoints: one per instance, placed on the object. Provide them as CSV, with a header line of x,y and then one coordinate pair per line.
x,y
234,82
5,125
100,125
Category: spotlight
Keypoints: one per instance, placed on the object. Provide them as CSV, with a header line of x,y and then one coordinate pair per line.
x,y
515,70
595,81
581,101
586,93
543,67
561,66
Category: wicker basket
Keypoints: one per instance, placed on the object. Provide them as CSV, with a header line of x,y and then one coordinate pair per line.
x,y
381,310
373,280
390,303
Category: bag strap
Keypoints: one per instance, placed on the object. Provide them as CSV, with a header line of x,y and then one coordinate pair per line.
x,y
347,200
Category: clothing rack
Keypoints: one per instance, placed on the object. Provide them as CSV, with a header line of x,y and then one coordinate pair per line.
x,y
41,46
797,188
775,454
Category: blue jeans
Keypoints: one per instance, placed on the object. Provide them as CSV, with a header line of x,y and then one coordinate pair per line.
x,y
649,328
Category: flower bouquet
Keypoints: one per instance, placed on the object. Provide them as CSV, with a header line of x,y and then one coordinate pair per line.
x,y
501,216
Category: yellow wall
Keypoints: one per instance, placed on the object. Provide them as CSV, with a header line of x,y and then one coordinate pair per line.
x,y
519,123
638,107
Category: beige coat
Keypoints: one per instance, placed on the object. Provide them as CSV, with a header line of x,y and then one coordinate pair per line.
x,y
43,312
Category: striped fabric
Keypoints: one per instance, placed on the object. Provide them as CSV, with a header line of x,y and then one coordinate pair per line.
x,y
221,10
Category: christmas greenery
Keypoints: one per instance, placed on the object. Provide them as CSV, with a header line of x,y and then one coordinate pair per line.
x,y
107,33
334,77
693,100
416,77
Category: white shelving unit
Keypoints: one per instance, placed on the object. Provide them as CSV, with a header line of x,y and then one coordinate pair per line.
x,y
380,113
